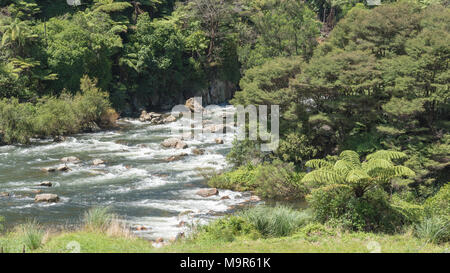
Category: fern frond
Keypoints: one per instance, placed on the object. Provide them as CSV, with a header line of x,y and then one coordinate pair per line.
x,y
343,167
403,171
386,154
356,176
350,156
323,176
317,163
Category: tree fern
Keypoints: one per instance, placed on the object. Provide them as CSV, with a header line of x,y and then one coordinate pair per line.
x,y
378,168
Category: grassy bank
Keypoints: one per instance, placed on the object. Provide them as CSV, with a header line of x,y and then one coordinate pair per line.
x,y
257,230
95,242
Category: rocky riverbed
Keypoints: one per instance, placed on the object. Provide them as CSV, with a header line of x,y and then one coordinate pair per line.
x,y
156,188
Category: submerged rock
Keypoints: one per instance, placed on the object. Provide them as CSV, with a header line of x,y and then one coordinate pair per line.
x,y
219,140
198,151
225,197
48,169
208,192
46,197
63,168
4,194
70,159
59,139
176,157
46,184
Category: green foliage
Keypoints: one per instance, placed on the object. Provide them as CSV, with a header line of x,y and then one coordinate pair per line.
x,y
276,180
97,219
244,152
52,116
226,229
378,169
433,229
31,234
439,205
276,221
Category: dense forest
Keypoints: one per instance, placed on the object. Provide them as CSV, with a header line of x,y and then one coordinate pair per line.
x,y
363,91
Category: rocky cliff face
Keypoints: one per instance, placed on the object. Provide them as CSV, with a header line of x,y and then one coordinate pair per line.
x,y
217,92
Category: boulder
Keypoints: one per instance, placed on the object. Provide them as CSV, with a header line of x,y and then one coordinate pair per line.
x,y
225,197
141,228
97,161
70,159
208,192
254,198
198,151
49,169
174,143
169,119
194,105
46,184
219,140
59,139
46,197
4,194
176,157
63,168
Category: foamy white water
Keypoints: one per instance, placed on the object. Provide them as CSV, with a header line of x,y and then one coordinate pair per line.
x,y
136,181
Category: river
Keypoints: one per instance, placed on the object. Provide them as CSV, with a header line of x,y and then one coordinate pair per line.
x,y
136,182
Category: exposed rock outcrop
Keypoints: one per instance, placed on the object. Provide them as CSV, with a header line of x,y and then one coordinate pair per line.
x,y
46,197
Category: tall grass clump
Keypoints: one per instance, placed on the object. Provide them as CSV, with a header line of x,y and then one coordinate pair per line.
x,y
276,221
32,234
433,229
98,219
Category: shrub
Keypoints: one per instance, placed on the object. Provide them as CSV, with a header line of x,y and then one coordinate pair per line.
x,y
31,234
337,205
241,179
439,205
98,219
16,123
433,229
226,229
244,152
276,221
278,180
412,213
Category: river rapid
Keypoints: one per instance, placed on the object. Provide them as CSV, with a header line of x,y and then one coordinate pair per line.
x,y
136,181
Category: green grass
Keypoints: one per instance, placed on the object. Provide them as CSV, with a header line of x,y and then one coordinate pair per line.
x,y
345,243
96,242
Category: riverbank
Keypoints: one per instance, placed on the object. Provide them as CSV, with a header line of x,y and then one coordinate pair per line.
x,y
95,242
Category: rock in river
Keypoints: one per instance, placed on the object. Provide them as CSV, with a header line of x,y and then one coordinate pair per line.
x,y
208,192
98,162
70,159
174,143
46,197
46,184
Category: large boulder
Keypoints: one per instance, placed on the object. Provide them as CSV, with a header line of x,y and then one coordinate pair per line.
x,y
174,143
46,197
208,192
194,105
